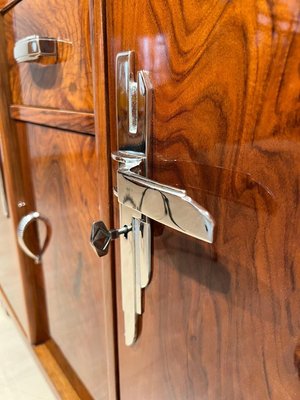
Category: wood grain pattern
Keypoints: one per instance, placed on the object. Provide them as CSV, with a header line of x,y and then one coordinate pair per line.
x,y
63,119
97,11
297,359
5,5
69,373
55,374
64,173
67,84
19,188
220,321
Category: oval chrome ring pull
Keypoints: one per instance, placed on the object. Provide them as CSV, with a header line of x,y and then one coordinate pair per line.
x,y
23,225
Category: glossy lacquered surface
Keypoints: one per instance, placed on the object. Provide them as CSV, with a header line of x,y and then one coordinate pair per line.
x,y
67,84
6,4
220,321
64,175
19,188
63,119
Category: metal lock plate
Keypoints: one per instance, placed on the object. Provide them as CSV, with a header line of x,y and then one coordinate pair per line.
x,y
140,198
134,101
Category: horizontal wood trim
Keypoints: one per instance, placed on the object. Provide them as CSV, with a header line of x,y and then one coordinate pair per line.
x,y
68,374
70,120
55,373
5,5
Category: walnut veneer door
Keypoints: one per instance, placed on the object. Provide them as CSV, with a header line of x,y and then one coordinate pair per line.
x,y
61,163
220,321
64,176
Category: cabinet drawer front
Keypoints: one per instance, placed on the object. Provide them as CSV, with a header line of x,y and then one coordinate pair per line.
x,y
65,83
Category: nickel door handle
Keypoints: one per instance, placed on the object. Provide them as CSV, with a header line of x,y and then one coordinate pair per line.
x,y
165,204
162,203
23,225
141,198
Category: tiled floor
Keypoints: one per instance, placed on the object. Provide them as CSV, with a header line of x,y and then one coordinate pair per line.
x,y
20,377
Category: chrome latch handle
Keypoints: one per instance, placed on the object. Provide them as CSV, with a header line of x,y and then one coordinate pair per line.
x,y
22,227
141,199
165,204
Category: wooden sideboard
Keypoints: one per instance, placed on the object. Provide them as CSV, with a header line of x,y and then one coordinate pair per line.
x,y
220,320
55,163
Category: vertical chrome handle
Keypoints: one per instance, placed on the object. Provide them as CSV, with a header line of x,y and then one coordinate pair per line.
x,y
140,198
23,224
